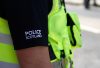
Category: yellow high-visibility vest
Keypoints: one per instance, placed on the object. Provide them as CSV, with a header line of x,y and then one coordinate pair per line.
x,y
8,57
63,38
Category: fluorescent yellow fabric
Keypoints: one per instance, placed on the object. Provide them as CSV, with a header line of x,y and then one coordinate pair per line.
x,y
55,8
76,30
7,53
56,23
4,26
60,34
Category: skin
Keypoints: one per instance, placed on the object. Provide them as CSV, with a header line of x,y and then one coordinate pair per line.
x,y
35,57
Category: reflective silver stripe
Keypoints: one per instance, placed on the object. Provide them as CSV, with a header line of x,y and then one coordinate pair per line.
x,y
8,65
5,39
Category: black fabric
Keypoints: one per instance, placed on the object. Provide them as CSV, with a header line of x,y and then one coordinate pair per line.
x,y
28,21
70,23
52,55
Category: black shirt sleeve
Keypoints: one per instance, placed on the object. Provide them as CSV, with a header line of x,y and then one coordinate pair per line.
x,y
28,21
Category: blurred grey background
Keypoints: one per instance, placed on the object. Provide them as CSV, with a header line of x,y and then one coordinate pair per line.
x,y
88,56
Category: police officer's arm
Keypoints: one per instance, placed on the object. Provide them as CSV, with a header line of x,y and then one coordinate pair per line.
x,y
36,57
25,18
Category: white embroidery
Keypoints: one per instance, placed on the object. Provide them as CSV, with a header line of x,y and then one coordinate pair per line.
x,y
33,34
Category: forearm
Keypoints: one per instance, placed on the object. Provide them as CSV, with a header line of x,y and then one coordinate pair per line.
x,y
35,57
